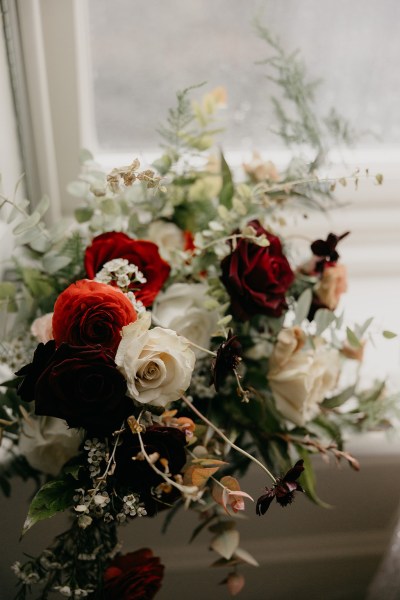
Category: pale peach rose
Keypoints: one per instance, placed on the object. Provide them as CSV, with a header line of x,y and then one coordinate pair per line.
x,y
42,328
332,285
289,341
300,379
259,170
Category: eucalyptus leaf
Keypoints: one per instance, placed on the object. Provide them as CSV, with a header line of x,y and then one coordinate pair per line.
x,y
27,224
54,262
85,155
323,318
303,306
226,543
78,188
352,338
83,214
389,335
43,206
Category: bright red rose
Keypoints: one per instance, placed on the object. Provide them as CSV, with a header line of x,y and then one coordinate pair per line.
x,y
134,576
257,278
89,313
142,253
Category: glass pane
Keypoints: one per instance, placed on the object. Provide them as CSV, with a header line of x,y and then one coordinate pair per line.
x,y
144,51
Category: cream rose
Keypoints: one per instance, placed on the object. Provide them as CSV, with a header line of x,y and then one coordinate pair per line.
x,y
182,308
42,328
157,363
332,285
47,443
168,237
300,379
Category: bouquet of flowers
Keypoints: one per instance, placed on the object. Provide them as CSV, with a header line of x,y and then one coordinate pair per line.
x,y
163,342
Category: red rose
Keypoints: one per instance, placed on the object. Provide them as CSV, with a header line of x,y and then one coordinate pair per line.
x,y
142,253
257,278
133,576
89,313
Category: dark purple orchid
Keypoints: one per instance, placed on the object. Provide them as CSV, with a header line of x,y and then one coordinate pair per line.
x,y
326,251
227,360
283,489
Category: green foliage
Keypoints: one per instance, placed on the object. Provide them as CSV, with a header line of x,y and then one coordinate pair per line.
x,y
296,114
52,498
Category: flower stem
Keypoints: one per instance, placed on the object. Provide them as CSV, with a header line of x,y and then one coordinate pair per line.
x,y
227,440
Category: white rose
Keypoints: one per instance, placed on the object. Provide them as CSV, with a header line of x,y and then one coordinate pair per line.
x,y
182,308
168,237
300,379
42,328
157,363
47,443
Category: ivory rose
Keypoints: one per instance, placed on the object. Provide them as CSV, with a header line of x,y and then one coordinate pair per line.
x,y
182,309
156,363
47,443
331,286
300,379
168,237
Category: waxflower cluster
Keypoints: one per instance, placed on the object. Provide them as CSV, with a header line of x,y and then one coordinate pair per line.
x,y
173,338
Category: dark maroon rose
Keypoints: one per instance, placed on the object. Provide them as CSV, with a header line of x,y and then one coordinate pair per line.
x,y
257,278
134,576
168,442
142,253
79,384
283,489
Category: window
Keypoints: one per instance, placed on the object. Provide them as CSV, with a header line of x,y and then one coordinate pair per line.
x,y
102,74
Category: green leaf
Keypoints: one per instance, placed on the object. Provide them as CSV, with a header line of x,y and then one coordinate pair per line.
x,y
54,262
7,290
83,214
226,543
109,207
226,194
85,155
339,399
43,206
323,318
78,188
307,479
37,283
303,306
163,164
27,224
52,498
245,557
389,335
352,338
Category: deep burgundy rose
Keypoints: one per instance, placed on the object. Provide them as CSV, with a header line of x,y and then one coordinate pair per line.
x,y
134,576
142,253
257,278
168,442
79,384
31,372
89,313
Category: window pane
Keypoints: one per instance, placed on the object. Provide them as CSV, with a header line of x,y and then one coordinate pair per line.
x,y
144,51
